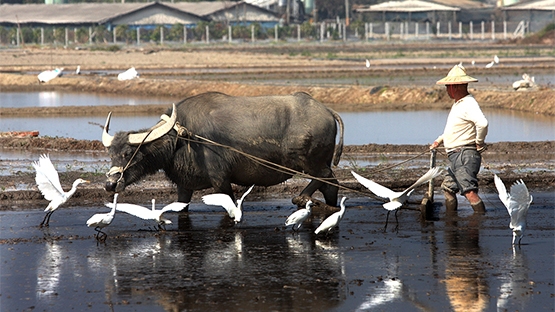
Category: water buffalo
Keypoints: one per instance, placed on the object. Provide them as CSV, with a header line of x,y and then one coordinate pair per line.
x,y
293,131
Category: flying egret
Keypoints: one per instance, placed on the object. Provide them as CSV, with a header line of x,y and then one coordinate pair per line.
x,y
367,63
517,202
102,220
234,211
297,218
333,220
396,199
49,185
48,75
150,214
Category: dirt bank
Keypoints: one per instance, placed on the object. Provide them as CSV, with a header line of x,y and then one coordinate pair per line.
x,y
169,73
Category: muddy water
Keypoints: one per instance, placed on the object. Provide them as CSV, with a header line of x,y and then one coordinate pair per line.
x,y
463,263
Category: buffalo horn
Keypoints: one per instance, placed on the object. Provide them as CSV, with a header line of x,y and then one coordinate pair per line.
x,y
106,138
155,132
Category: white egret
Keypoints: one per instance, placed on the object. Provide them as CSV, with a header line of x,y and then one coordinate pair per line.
x,y
333,220
48,75
150,214
49,185
396,199
234,211
496,59
78,70
367,63
129,74
102,220
489,65
297,218
517,202
525,83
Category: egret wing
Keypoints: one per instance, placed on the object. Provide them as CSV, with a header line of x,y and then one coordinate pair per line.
x,y
503,195
47,178
175,206
374,187
519,203
430,174
220,199
135,210
297,216
247,193
328,223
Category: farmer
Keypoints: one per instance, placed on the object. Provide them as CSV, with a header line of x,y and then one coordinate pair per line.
x,y
463,139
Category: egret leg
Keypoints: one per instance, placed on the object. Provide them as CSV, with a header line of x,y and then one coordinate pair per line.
x,y
100,236
386,220
396,227
46,219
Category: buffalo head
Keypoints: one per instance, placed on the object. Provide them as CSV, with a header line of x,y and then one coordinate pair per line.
x,y
132,153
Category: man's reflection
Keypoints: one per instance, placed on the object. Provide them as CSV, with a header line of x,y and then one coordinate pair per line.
x,y
465,279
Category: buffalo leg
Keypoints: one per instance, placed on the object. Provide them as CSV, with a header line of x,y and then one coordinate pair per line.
x,y
184,196
330,192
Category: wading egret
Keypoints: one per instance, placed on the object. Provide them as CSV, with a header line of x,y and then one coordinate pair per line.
x,y
333,220
367,63
517,202
49,185
102,220
490,64
297,218
496,59
150,214
396,199
234,211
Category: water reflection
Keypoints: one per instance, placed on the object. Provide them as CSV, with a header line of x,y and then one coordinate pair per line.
x,y
217,270
49,270
388,290
465,276
56,99
515,291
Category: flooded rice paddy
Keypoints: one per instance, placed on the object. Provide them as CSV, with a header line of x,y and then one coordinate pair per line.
x,y
201,263
381,127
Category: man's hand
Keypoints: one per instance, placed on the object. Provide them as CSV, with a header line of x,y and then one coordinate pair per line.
x,y
481,148
434,145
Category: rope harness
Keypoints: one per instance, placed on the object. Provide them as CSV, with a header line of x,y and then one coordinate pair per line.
x,y
184,134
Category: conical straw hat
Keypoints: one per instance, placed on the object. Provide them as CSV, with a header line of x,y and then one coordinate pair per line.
x,y
457,75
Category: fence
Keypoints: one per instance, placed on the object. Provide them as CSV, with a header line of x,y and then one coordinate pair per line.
x,y
216,33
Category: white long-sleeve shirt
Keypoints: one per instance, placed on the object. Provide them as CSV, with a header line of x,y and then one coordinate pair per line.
x,y
466,124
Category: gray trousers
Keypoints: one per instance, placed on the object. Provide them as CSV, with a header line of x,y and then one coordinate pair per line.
x,y
463,171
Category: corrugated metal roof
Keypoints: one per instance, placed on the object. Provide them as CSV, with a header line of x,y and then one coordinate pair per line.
x,y
465,4
545,5
263,3
76,13
407,6
101,13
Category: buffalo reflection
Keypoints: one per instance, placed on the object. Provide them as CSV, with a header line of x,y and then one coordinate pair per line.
x,y
222,269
